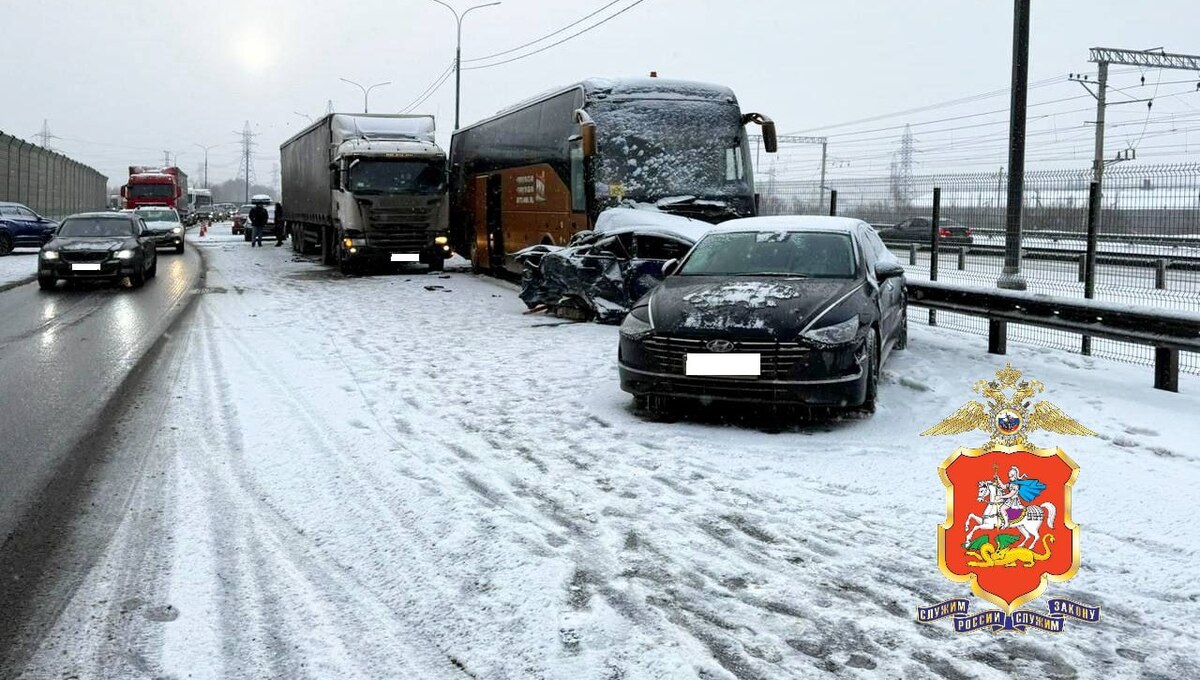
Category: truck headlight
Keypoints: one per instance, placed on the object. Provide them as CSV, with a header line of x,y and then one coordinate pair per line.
x,y
49,254
123,254
837,334
354,242
441,240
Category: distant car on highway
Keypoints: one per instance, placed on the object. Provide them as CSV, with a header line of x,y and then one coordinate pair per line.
x,y
799,310
241,219
165,226
918,229
21,227
98,246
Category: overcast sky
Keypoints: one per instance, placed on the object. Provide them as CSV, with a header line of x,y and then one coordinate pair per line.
x,y
120,82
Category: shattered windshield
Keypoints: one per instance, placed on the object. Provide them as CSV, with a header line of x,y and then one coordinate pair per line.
x,y
397,177
652,149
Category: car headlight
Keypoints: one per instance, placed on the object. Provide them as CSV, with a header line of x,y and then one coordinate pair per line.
x,y
177,230
637,323
837,334
49,254
123,254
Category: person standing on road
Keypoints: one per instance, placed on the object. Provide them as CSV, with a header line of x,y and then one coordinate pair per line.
x,y
258,221
280,233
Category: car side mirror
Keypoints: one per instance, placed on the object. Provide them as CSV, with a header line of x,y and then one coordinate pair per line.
x,y
887,270
669,267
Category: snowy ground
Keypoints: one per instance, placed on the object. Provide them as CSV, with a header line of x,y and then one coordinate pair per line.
x,y
20,265
405,476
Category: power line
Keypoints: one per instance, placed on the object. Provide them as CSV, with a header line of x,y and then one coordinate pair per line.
x,y
544,37
428,91
559,42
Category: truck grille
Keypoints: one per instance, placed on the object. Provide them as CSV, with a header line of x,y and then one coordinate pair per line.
x,y
404,229
777,358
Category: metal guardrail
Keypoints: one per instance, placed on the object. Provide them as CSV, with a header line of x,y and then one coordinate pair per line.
x,y
1148,260
1168,332
1053,235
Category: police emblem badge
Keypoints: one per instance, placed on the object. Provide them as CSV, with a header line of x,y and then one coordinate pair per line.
x,y
1008,529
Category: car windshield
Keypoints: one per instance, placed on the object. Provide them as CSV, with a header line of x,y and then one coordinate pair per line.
x,y
397,177
158,215
772,253
96,227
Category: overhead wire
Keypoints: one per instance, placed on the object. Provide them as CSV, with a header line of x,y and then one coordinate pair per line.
x,y
559,42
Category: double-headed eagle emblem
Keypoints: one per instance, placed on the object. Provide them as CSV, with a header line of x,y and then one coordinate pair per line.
x,y
1008,420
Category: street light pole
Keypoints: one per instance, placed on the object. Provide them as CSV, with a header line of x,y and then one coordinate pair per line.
x,y
458,18
365,90
206,148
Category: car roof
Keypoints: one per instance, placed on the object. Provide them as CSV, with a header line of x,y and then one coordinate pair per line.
x,y
123,215
844,225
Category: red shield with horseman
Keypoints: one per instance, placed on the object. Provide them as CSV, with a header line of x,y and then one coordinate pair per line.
x,y
1008,526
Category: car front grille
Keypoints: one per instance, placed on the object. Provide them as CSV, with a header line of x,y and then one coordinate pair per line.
x,y
83,256
778,359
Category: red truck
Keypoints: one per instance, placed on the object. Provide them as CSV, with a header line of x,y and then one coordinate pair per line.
x,y
157,186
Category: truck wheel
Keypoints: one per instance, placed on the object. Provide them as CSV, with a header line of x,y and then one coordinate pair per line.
x,y
345,264
438,264
328,253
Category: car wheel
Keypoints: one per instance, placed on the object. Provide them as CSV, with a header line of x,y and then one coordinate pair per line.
x,y
153,271
179,249
902,336
6,243
654,407
138,278
47,282
872,351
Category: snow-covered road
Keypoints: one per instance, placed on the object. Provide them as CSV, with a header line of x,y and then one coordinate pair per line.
x,y
407,477
19,266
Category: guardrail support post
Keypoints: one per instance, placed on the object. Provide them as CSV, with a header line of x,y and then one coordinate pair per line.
x,y
1166,369
912,254
962,258
833,202
1089,257
997,337
1160,274
1083,268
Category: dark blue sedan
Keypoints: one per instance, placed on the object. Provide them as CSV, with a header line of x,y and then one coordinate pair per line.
x,y
21,227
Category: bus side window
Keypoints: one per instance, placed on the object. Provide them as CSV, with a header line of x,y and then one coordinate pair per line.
x,y
578,198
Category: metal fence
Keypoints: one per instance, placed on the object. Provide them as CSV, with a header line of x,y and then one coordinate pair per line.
x,y
48,182
1148,246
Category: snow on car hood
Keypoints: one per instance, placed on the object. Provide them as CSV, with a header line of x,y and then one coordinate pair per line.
x,y
770,307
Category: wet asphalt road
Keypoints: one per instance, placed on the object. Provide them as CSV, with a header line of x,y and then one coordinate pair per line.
x,y
63,355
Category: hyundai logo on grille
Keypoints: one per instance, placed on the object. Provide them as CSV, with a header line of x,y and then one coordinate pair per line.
x,y
720,346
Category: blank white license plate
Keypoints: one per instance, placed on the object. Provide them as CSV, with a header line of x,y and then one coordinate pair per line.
x,y
723,364
405,257
86,267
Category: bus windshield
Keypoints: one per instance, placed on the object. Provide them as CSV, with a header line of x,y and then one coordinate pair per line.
x,y
653,149
396,177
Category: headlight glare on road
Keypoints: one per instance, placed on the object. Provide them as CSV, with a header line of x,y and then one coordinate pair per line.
x,y
837,334
49,254
123,255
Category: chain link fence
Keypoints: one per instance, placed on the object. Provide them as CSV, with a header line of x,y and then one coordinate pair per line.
x,y
1148,245
46,181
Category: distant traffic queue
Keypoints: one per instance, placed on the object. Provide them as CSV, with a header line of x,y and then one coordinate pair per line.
x,y
543,170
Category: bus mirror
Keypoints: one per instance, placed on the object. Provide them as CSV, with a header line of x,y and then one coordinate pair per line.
x,y
770,142
123,191
587,131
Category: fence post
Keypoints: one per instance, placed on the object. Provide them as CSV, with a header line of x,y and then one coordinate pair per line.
x,y
912,254
997,337
1082,267
1166,369
833,202
934,239
1089,269
1160,274
962,258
